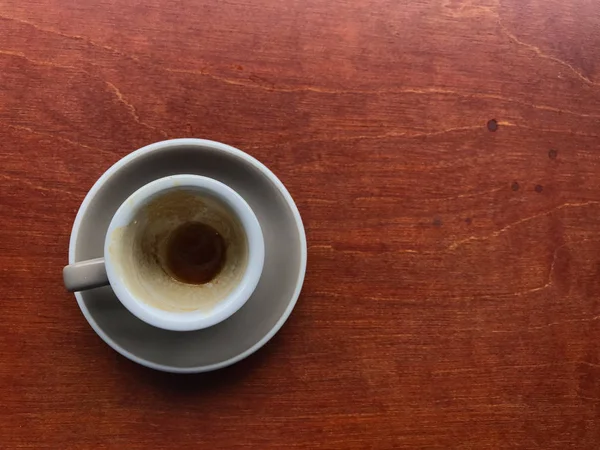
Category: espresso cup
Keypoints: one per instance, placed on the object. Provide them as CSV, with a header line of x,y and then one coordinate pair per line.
x,y
182,253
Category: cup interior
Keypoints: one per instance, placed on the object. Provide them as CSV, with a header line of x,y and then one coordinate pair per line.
x,y
147,259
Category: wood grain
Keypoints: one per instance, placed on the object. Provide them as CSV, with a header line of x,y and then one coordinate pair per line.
x,y
451,299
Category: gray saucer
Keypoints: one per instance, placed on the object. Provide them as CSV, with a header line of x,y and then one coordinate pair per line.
x,y
264,313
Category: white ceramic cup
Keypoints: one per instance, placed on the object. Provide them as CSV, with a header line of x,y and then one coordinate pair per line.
x,y
108,270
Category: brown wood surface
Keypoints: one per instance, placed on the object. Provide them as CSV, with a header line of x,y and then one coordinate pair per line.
x,y
452,293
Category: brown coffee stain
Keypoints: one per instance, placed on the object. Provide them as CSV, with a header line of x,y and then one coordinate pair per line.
x,y
195,253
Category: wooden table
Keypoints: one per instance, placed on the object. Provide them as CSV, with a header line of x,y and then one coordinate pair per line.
x,y
444,156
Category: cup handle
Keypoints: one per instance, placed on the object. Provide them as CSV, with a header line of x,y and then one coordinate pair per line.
x,y
85,275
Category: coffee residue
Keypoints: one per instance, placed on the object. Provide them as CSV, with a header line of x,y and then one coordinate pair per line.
x,y
195,253
140,252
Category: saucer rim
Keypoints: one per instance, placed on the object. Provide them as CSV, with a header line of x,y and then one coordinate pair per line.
x,y
162,145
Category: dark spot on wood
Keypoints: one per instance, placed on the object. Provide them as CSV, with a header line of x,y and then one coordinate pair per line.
x,y
492,125
468,221
539,188
437,222
514,186
552,154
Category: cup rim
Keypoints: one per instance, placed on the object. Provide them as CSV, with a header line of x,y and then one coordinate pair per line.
x,y
193,143
198,319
